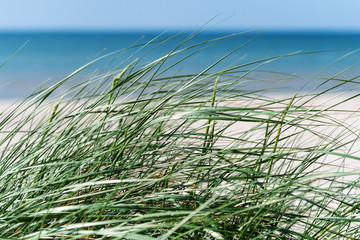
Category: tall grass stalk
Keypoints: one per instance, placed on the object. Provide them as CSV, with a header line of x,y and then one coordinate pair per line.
x,y
141,153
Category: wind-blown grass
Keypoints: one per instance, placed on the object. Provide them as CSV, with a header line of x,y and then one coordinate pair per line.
x,y
137,153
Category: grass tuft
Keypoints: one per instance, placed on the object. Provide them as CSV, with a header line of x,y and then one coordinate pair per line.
x,y
139,152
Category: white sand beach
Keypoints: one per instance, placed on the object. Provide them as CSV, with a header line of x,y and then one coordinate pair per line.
x,y
341,124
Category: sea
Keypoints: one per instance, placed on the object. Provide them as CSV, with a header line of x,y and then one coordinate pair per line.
x,y
285,61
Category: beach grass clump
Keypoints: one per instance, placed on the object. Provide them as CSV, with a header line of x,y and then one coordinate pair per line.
x,y
140,152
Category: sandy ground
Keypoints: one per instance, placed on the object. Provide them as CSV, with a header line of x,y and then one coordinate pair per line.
x,y
5,104
341,125
331,119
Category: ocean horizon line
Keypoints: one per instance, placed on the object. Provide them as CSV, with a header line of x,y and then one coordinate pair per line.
x,y
186,31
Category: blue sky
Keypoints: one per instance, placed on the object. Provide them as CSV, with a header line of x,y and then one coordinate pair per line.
x,y
179,15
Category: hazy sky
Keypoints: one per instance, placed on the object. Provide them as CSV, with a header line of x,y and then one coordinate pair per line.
x,y
179,14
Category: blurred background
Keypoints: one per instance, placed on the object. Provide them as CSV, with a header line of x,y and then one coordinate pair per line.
x,y
45,41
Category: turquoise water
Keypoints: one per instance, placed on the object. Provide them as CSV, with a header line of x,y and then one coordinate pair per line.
x,y
51,56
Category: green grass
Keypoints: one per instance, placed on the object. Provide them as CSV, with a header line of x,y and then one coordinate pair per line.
x,y
138,153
